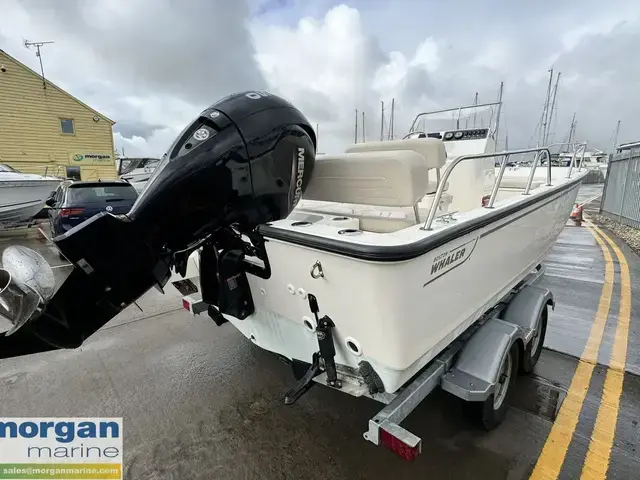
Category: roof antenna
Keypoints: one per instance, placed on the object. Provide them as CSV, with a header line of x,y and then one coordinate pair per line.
x,y
29,44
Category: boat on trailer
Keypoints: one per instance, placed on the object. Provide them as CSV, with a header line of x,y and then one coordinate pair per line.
x,y
398,252
406,265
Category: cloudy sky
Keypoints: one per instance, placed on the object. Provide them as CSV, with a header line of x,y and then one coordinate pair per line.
x,y
152,65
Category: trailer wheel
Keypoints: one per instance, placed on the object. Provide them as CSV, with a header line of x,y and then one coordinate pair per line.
x,y
534,348
494,408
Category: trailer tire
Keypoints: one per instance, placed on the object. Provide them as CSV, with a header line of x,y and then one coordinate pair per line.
x,y
534,348
492,411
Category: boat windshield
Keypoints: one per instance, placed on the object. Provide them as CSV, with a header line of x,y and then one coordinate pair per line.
x,y
149,162
7,168
127,165
466,117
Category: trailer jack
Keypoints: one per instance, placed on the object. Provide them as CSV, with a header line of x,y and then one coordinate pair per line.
x,y
323,358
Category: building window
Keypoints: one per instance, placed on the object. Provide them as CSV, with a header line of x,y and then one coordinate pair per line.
x,y
73,173
67,126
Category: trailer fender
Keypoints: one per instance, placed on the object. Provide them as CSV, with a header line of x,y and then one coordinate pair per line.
x,y
525,309
475,372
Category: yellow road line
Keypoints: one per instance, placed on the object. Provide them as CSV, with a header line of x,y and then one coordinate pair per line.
x,y
555,448
598,456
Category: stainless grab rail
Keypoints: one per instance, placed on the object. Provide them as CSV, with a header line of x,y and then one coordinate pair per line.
x,y
573,158
582,146
56,174
559,144
496,184
584,149
454,109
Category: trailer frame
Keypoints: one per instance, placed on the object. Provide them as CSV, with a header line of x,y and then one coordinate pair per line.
x,y
471,367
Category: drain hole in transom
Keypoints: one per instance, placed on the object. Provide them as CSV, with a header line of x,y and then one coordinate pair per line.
x,y
353,345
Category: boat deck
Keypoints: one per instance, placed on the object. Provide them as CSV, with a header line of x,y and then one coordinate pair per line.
x,y
202,402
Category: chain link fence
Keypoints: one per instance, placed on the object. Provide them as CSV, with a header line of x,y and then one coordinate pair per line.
x,y
621,195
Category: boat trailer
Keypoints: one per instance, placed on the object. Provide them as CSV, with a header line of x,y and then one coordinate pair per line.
x,y
479,367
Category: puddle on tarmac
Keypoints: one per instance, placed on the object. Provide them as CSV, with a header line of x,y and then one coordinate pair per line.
x,y
538,396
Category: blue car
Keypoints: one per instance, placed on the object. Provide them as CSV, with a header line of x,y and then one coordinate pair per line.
x,y
74,202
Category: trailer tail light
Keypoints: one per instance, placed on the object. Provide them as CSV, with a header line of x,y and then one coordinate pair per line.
x,y
485,200
68,212
194,304
400,448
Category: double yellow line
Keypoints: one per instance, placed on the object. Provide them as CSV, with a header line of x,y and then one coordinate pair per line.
x,y
557,444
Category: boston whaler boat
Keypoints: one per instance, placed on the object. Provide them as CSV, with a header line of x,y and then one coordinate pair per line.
x,y
404,245
405,265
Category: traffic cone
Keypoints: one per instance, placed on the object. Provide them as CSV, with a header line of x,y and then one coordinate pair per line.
x,y
576,214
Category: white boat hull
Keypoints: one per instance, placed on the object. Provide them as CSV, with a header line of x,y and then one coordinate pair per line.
x,y
22,199
400,315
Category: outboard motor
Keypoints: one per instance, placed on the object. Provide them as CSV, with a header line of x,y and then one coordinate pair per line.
x,y
246,160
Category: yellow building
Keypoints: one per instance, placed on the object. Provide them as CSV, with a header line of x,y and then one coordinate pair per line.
x,y
45,129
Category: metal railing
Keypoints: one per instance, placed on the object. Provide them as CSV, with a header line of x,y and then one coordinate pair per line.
x,y
621,194
577,147
498,180
455,109
57,174
583,146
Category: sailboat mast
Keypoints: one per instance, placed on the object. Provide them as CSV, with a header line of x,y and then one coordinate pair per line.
x,y
363,132
498,113
382,121
475,102
393,106
553,105
615,137
356,133
572,130
475,111
545,110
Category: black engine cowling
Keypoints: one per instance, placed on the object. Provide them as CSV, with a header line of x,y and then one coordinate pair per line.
x,y
244,161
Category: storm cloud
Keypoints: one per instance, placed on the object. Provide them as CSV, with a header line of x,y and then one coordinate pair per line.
x,y
152,65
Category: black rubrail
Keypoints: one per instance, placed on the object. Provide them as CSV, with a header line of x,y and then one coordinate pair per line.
x,y
326,355
408,251
244,161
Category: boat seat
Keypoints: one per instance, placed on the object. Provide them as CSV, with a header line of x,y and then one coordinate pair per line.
x,y
432,149
391,179
383,189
